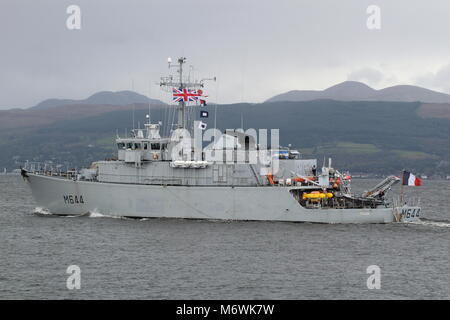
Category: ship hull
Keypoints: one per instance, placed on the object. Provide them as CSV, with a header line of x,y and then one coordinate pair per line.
x,y
68,197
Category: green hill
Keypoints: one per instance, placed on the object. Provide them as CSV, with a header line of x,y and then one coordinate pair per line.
x,y
366,137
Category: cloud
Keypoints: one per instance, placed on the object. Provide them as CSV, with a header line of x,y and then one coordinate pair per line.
x,y
256,48
439,80
369,76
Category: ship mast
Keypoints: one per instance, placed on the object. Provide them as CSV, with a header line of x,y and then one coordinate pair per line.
x,y
182,105
170,83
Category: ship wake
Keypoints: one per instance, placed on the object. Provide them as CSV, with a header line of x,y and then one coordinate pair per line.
x,y
432,223
42,212
98,214
39,211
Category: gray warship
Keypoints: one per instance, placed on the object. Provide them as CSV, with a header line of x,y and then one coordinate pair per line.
x,y
235,177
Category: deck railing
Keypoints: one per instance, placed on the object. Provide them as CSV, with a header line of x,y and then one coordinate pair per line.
x,y
49,169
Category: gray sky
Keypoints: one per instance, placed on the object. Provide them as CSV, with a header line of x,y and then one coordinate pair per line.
x,y
256,48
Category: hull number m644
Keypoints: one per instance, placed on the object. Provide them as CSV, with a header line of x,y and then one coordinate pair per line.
x,y
73,199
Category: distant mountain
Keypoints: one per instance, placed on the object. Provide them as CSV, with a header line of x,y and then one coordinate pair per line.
x,y
357,91
118,98
25,120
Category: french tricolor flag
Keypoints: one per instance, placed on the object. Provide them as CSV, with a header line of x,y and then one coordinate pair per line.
x,y
410,180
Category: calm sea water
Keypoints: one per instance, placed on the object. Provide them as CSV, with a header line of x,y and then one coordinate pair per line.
x,y
184,259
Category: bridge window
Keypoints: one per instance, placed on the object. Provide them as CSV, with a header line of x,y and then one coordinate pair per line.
x,y
129,145
155,146
137,146
121,145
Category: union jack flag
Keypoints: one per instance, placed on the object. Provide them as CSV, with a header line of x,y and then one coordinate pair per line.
x,y
185,95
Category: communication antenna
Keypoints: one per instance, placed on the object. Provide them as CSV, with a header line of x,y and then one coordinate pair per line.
x,y
149,99
215,116
215,105
132,88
